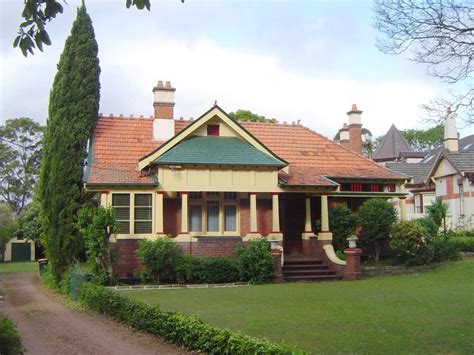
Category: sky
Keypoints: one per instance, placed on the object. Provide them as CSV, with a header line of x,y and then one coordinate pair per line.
x,y
289,60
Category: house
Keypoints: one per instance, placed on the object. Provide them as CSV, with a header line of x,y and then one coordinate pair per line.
x,y
18,249
213,182
394,147
445,172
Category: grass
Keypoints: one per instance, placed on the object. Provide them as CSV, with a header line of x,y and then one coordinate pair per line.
x,y
24,266
420,313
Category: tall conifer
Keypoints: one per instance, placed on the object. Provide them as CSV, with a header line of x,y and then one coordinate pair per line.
x,y
73,111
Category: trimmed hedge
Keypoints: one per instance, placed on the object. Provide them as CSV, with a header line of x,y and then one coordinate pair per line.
x,y
184,330
465,244
210,270
10,340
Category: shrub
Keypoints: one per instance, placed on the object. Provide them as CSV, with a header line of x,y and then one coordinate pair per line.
x,y
429,227
342,224
438,212
409,243
206,270
465,244
256,261
159,258
445,249
376,217
187,331
10,340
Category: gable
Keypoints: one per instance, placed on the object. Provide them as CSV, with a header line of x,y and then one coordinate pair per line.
x,y
228,128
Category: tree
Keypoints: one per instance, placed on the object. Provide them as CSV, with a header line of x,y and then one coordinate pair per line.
x,y
29,222
37,13
376,217
7,226
342,224
438,34
248,116
425,140
97,225
20,154
73,111
368,143
438,212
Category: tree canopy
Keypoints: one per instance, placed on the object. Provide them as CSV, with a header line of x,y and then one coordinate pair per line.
x,y
7,226
425,139
20,154
73,111
248,116
438,34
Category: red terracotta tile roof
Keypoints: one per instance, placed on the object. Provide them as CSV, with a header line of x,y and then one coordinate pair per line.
x,y
120,142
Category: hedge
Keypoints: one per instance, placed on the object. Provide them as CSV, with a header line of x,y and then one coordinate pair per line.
x,y
10,340
184,330
465,244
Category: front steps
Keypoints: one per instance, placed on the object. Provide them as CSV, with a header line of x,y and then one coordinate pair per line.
x,y
307,269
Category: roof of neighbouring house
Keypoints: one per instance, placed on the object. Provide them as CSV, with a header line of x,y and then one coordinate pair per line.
x,y
417,171
391,146
466,144
462,161
216,150
118,143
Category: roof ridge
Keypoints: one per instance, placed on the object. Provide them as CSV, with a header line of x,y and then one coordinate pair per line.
x,y
122,117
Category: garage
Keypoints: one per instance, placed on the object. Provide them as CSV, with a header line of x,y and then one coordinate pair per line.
x,y
21,251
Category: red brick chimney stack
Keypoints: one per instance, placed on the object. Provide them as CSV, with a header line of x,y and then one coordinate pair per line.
x,y
164,100
163,103
355,129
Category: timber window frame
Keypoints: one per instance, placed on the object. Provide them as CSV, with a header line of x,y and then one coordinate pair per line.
x,y
134,219
122,209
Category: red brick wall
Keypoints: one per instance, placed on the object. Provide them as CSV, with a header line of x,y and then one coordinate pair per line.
x,y
162,111
264,216
244,217
127,261
355,138
215,246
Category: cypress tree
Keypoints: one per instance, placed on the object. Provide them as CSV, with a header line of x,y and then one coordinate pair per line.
x,y
73,111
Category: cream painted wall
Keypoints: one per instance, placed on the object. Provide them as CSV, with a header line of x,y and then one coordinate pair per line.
x,y
8,249
224,129
229,179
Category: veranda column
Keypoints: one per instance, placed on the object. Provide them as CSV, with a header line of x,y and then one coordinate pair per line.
x,y
184,213
308,231
325,234
403,204
159,212
253,213
275,235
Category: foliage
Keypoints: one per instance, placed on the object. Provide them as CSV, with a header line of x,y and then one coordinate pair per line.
x,y
342,224
445,248
248,116
37,13
159,258
429,227
425,139
10,340
438,212
29,222
409,243
20,154
256,261
210,270
187,331
7,226
438,34
97,225
376,217
73,111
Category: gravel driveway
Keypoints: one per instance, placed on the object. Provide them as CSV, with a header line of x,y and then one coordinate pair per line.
x,y
48,326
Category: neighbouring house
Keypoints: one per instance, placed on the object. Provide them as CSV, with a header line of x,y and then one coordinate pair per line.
x,y
19,250
213,182
394,147
446,172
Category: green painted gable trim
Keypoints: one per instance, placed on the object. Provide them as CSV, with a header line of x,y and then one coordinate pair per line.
x,y
217,150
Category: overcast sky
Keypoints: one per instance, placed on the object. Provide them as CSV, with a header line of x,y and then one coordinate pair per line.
x,y
289,60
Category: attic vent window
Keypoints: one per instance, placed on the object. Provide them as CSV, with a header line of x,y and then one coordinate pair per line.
x,y
213,130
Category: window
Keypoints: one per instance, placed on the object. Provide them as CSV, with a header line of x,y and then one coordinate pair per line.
x,y
230,195
195,195
461,199
121,206
213,130
143,213
230,218
212,193
212,216
195,218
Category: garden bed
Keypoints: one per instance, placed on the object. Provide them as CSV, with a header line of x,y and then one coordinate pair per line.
x,y
381,270
177,286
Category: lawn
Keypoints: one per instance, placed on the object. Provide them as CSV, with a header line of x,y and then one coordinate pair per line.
x,y
26,266
421,313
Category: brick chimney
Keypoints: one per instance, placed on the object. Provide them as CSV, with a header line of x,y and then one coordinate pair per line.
x,y
450,132
344,136
163,104
355,129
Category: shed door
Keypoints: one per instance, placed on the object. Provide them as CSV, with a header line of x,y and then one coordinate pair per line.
x,y
21,252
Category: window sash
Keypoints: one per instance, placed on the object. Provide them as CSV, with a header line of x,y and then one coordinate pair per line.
x,y
195,218
121,206
143,213
230,218
213,216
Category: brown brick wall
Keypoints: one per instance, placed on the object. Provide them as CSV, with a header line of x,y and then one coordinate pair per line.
x,y
244,217
355,138
162,111
264,216
215,246
172,216
127,261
